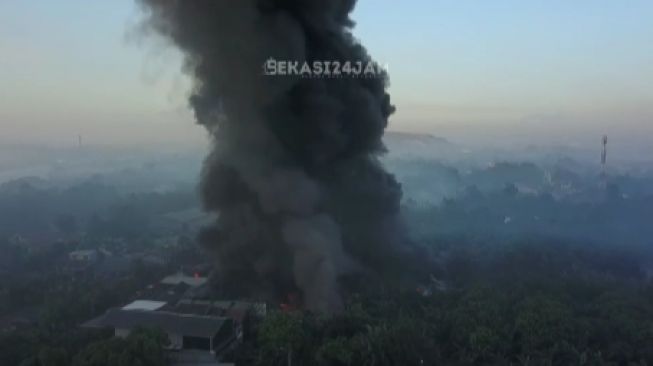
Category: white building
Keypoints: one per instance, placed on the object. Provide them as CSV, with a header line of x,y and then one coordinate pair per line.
x,y
84,256
180,277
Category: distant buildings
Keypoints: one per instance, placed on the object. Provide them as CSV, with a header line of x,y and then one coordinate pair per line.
x,y
35,241
87,256
188,222
102,263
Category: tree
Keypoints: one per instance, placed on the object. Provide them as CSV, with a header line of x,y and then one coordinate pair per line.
x,y
66,224
281,335
141,348
52,357
336,351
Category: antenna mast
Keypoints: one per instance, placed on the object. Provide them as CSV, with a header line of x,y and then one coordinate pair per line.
x,y
604,154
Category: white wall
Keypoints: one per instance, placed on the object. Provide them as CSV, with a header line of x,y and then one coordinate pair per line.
x,y
122,333
176,341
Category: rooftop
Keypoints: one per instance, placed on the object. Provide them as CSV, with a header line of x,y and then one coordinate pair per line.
x,y
164,293
146,305
180,277
181,324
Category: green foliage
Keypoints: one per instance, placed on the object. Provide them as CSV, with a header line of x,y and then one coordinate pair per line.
x,y
282,331
336,351
14,348
542,322
523,305
52,357
140,348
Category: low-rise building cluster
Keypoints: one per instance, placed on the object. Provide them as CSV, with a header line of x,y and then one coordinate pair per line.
x,y
181,306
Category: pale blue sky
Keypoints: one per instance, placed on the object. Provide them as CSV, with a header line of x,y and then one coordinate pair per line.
x,y
457,66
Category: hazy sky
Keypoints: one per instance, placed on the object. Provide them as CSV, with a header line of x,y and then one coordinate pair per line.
x,y
459,67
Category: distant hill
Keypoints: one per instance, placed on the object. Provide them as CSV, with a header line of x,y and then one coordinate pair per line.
x,y
407,145
410,137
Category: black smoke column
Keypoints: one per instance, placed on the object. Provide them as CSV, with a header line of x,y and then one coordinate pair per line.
x,y
293,173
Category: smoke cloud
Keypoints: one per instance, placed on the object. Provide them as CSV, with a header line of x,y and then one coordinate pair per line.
x,y
293,172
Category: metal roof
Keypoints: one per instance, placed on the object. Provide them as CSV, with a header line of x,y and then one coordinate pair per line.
x,y
180,324
145,305
179,278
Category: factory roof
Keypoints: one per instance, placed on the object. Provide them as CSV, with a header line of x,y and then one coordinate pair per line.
x,y
181,324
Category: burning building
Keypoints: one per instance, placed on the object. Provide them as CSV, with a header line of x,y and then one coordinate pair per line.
x,y
294,171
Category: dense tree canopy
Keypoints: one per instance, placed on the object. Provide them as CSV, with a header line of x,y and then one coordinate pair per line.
x,y
526,306
140,348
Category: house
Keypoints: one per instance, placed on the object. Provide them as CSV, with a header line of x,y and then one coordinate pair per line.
x,y
180,277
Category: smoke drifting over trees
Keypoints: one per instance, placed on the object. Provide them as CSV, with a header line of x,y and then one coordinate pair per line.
x,y
293,171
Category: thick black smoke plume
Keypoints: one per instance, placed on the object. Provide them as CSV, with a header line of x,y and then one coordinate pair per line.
x,y
293,173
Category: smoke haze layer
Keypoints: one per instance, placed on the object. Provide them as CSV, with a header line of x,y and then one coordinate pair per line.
x,y
293,172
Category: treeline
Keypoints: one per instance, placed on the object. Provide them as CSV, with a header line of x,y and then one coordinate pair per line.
x,y
29,206
528,305
143,347
57,304
508,215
